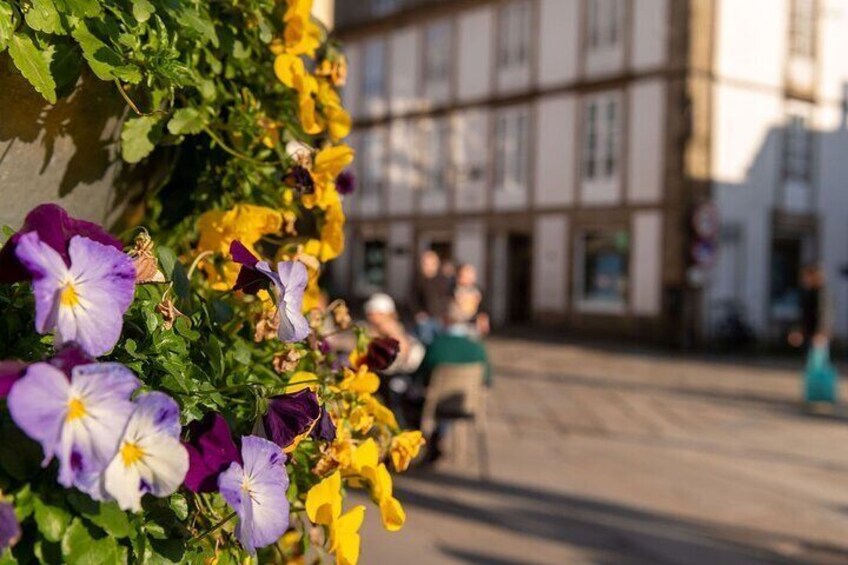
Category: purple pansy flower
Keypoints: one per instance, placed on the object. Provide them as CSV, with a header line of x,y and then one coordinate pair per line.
x,y
211,450
325,429
289,281
84,302
55,228
150,458
79,420
65,360
257,492
10,529
346,182
291,415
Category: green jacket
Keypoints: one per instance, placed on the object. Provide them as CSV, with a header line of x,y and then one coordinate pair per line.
x,y
455,350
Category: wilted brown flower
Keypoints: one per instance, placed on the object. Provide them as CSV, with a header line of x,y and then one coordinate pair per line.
x,y
267,325
286,361
341,315
146,264
169,312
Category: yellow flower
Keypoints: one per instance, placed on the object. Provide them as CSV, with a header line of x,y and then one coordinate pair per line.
x,y
381,413
344,536
338,120
332,241
302,380
324,507
246,223
362,381
324,500
328,163
361,420
301,36
405,447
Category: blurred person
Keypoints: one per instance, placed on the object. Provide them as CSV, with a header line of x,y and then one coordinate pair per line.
x,y
819,376
430,296
469,300
396,379
456,345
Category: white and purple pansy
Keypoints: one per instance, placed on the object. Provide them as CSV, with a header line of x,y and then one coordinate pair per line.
x,y
150,457
77,420
84,300
256,490
289,283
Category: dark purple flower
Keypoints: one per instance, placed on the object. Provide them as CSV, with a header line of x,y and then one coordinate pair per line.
x,y
290,416
10,372
300,179
10,529
346,182
69,356
324,429
211,450
381,353
55,228
250,279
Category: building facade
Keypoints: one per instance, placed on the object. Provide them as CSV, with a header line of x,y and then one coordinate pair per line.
x,y
561,146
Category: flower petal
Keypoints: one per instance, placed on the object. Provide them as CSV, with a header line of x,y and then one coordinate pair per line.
x,y
211,450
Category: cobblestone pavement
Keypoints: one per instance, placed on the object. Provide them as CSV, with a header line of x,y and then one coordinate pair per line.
x,y
602,456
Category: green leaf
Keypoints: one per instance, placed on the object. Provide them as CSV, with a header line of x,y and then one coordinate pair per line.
x,y
142,10
179,505
186,121
7,24
33,64
80,8
52,521
104,61
80,548
43,16
139,136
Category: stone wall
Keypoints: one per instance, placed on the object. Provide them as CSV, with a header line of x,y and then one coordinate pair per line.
x,y
65,153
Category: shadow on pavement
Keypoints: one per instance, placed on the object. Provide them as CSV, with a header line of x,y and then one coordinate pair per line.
x,y
614,534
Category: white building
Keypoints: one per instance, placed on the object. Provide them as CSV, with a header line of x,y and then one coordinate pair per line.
x,y
561,146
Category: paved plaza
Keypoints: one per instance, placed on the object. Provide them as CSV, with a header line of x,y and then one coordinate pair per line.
x,y
610,456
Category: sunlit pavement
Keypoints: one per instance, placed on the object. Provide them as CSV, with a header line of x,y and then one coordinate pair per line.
x,y
603,456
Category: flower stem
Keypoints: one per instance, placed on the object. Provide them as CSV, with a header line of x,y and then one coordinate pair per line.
x,y
226,519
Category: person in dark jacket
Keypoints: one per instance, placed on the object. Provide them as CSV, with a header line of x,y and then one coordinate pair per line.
x,y
430,297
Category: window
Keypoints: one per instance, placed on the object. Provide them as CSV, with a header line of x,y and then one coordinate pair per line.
x,y
784,291
437,154
373,84
601,135
514,46
605,257
374,264
604,26
797,148
437,52
802,29
511,149
373,163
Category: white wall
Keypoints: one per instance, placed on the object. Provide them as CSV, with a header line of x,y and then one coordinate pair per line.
x,y
402,167
469,246
353,86
646,263
474,53
750,43
559,41
404,55
550,263
401,257
650,33
472,146
556,151
646,145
